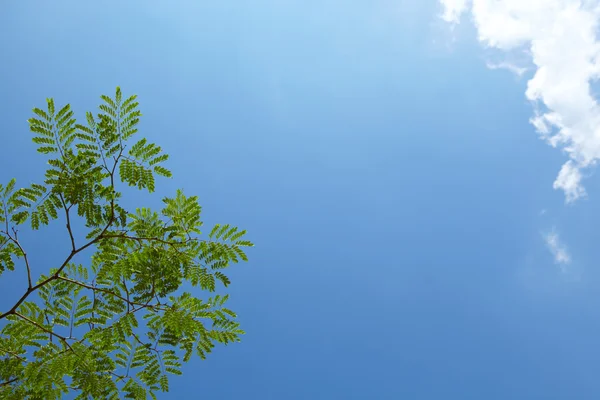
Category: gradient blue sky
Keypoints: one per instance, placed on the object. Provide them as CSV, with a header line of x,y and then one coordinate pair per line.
x,y
392,183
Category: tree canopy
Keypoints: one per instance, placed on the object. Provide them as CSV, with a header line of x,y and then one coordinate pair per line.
x,y
145,301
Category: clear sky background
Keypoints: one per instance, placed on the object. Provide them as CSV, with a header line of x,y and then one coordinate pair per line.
x,y
409,241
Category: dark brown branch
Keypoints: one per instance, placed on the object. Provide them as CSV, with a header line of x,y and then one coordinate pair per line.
x,y
149,239
140,239
68,218
127,294
13,380
41,327
12,353
15,240
94,288
108,291
154,349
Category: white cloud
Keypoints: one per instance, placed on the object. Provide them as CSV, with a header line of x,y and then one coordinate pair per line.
x,y
453,9
560,37
569,180
509,66
558,249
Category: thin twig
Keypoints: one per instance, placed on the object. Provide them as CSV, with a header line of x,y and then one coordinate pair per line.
x,y
41,327
108,291
15,240
127,293
149,239
68,217
13,380
12,353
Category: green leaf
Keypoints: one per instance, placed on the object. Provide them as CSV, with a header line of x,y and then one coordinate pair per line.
x,y
20,217
9,187
162,171
50,103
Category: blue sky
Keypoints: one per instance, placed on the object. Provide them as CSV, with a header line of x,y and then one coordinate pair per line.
x,y
409,241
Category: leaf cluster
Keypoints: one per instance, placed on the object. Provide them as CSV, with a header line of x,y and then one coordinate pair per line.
x,y
119,326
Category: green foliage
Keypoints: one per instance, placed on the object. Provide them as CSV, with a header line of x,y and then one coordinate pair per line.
x,y
120,326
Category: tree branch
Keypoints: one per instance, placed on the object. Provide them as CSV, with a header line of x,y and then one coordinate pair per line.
x,y
68,217
12,353
41,327
13,380
15,240
108,291
149,239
